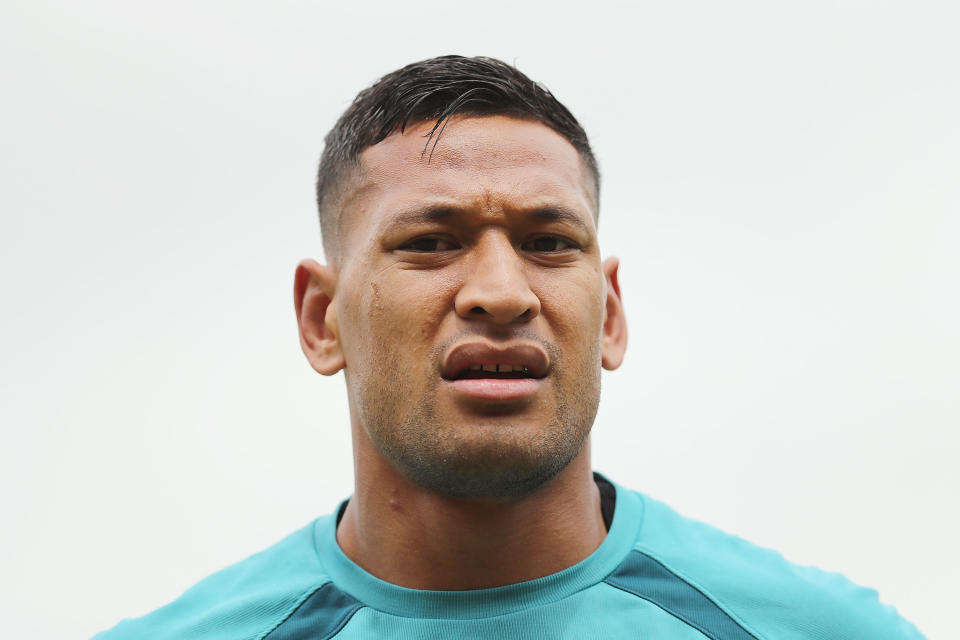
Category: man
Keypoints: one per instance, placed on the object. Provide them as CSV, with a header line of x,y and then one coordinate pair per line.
x,y
466,302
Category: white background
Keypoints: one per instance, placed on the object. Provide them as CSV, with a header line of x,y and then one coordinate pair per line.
x,y
781,183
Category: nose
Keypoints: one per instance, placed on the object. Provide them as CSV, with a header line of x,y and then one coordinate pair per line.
x,y
495,285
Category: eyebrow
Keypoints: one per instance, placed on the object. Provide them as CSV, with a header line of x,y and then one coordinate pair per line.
x,y
560,214
422,215
438,213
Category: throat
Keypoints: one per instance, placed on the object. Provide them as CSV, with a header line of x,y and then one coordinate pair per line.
x,y
424,541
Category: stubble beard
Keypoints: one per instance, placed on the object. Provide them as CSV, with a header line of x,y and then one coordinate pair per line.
x,y
489,458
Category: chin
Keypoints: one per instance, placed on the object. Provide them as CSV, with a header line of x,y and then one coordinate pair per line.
x,y
488,465
501,483
454,451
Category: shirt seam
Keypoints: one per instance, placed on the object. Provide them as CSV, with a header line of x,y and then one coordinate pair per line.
x,y
488,617
659,606
704,591
292,609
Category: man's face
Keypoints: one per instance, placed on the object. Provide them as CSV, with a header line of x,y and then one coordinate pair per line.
x,y
470,305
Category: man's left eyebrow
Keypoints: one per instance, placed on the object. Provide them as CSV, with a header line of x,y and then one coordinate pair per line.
x,y
560,214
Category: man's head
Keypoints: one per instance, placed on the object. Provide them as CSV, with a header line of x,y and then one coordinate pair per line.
x,y
433,91
466,303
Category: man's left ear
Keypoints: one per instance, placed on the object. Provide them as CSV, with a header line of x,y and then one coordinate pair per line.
x,y
614,342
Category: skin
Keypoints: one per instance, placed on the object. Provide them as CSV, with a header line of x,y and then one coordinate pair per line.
x,y
452,491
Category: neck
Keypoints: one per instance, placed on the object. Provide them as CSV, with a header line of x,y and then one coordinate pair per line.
x,y
414,538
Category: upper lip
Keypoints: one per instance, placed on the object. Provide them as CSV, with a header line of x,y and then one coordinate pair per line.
x,y
464,355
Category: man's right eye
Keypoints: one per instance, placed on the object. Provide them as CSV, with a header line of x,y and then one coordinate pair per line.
x,y
429,245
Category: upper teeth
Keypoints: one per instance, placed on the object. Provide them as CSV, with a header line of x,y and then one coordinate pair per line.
x,y
499,368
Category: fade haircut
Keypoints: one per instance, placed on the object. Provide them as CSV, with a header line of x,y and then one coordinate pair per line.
x,y
434,89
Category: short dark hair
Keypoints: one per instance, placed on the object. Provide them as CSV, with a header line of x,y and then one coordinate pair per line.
x,y
436,88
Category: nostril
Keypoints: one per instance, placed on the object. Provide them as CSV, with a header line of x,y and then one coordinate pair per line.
x,y
509,315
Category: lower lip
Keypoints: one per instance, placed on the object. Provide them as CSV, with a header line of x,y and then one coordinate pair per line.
x,y
493,390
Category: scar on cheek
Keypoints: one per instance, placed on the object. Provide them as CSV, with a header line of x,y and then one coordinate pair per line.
x,y
376,299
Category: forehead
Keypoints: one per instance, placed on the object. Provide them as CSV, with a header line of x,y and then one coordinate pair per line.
x,y
485,164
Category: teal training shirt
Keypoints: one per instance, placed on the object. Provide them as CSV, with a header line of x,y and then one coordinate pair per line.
x,y
656,576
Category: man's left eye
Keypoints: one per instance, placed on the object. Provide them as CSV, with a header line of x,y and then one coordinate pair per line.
x,y
547,244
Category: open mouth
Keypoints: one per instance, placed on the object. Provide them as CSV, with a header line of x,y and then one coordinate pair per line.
x,y
494,371
480,360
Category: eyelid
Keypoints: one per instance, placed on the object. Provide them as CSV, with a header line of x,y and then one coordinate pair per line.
x,y
406,245
570,244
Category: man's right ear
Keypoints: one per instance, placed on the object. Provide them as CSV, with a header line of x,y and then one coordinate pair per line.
x,y
313,288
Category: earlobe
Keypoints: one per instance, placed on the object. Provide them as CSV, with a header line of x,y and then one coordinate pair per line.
x,y
314,286
614,342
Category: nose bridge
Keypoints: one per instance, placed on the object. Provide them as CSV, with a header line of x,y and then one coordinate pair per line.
x,y
496,250
495,284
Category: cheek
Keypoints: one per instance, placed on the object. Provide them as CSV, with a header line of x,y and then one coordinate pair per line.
x,y
396,315
574,308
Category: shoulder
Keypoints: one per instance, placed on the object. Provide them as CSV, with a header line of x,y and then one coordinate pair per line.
x,y
245,600
758,588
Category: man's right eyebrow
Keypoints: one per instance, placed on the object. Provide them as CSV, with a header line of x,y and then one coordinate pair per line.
x,y
421,215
